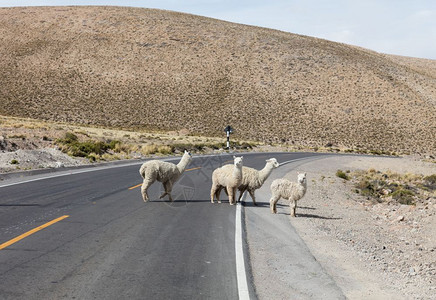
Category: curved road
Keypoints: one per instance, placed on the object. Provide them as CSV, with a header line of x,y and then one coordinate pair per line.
x,y
104,242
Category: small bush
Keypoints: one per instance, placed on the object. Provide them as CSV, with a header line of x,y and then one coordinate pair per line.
x,y
342,174
165,150
70,144
430,180
366,188
404,196
69,138
149,149
21,136
113,144
14,162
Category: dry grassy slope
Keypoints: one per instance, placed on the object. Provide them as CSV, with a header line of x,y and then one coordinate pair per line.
x,y
156,69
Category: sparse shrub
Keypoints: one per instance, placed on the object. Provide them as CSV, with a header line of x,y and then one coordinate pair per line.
x,y
342,174
70,144
115,145
404,196
149,149
82,133
21,136
93,157
375,152
431,179
365,187
165,150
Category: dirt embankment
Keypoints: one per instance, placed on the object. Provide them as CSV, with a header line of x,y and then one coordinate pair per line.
x,y
366,246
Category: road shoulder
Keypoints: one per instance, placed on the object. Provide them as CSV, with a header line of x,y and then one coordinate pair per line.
x,y
282,265
356,253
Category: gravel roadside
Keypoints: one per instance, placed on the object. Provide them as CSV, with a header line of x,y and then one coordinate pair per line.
x,y
366,250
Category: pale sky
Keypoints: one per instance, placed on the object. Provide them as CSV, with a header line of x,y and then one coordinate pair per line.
x,y
403,27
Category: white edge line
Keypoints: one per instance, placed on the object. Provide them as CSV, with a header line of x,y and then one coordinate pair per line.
x,y
90,169
294,160
241,274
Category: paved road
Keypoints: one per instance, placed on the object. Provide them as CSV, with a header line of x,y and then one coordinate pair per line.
x,y
112,245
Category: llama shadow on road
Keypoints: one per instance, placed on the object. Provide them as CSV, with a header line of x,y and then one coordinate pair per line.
x,y
180,201
251,204
299,215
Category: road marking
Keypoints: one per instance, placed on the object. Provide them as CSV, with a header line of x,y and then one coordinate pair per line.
x,y
18,238
74,172
241,274
192,169
134,187
296,159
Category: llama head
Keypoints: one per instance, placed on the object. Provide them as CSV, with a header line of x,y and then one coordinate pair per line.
x,y
237,161
301,178
273,162
187,154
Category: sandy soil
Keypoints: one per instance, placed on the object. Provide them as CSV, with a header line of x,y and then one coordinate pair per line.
x,y
159,70
364,246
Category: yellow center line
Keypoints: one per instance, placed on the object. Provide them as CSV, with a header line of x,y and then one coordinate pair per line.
x,y
18,238
193,169
134,187
138,185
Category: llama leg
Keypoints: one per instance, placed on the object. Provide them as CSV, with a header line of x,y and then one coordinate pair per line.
x,y
231,193
213,193
273,202
217,194
165,190
145,185
293,206
168,186
241,192
252,196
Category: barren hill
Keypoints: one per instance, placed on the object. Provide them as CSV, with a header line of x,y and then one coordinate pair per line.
x,y
142,68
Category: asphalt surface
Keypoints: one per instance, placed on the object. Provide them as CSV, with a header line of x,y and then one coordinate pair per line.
x,y
112,245
282,265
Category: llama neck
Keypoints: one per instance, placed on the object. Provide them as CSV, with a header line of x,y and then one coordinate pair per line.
x,y
302,188
265,172
237,172
181,166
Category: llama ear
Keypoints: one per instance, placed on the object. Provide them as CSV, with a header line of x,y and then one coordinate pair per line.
x,y
234,157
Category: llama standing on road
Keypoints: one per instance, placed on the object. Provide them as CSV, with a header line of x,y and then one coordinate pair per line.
x,y
253,179
292,191
227,177
165,172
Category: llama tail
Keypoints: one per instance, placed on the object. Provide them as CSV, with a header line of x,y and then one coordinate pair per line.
x,y
142,170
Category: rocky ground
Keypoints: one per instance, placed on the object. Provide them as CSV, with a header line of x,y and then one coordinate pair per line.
x,y
364,245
